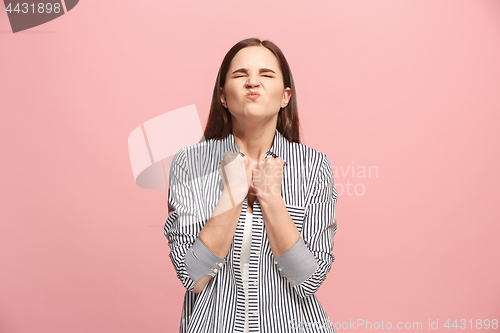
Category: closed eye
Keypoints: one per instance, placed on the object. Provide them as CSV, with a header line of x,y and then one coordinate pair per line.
x,y
269,76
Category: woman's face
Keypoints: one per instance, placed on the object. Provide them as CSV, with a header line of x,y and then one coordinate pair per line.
x,y
254,90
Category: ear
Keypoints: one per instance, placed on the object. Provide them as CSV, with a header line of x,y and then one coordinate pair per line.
x,y
286,97
222,97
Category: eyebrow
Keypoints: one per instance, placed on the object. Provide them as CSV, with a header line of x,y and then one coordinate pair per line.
x,y
262,70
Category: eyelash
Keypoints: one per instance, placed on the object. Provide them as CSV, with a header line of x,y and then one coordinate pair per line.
x,y
263,75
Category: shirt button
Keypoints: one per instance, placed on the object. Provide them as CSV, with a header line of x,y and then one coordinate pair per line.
x,y
214,270
275,261
259,220
255,283
220,264
279,269
257,253
255,313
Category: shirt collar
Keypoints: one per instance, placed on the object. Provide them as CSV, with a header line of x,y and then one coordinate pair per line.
x,y
279,148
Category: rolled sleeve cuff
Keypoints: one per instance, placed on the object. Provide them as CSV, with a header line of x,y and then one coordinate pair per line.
x,y
297,264
200,261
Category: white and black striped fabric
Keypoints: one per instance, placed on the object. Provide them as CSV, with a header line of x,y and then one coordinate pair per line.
x,y
275,304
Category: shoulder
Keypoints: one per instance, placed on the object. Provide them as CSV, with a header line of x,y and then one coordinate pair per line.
x,y
199,156
307,153
202,145
315,164
201,149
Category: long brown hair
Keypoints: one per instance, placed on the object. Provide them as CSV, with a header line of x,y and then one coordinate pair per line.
x,y
219,123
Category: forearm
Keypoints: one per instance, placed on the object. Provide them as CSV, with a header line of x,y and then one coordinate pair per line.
x,y
292,257
281,231
218,232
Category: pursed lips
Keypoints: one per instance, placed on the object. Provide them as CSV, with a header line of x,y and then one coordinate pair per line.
x,y
252,95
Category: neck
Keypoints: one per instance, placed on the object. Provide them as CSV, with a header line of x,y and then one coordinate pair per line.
x,y
254,142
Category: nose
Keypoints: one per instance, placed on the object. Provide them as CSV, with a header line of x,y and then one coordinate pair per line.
x,y
252,81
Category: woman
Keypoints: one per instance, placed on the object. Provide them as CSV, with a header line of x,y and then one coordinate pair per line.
x,y
251,210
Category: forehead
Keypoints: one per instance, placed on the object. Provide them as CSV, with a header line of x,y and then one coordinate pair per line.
x,y
255,56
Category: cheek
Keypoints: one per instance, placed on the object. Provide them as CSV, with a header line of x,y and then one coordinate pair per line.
x,y
277,96
230,95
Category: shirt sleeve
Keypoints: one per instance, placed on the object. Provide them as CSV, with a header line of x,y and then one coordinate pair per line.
x,y
190,257
309,260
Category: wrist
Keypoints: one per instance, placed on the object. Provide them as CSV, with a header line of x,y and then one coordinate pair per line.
x,y
226,202
270,199
235,196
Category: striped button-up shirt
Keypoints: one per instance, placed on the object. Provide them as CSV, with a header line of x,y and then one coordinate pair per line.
x,y
276,304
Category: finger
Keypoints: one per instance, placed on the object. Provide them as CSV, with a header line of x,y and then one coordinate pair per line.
x,y
282,161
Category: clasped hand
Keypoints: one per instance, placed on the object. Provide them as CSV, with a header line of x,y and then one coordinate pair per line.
x,y
242,176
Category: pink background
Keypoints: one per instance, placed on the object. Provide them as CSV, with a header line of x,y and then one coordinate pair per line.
x,y
411,88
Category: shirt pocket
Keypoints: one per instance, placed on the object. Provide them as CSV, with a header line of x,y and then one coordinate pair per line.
x,y
297,213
